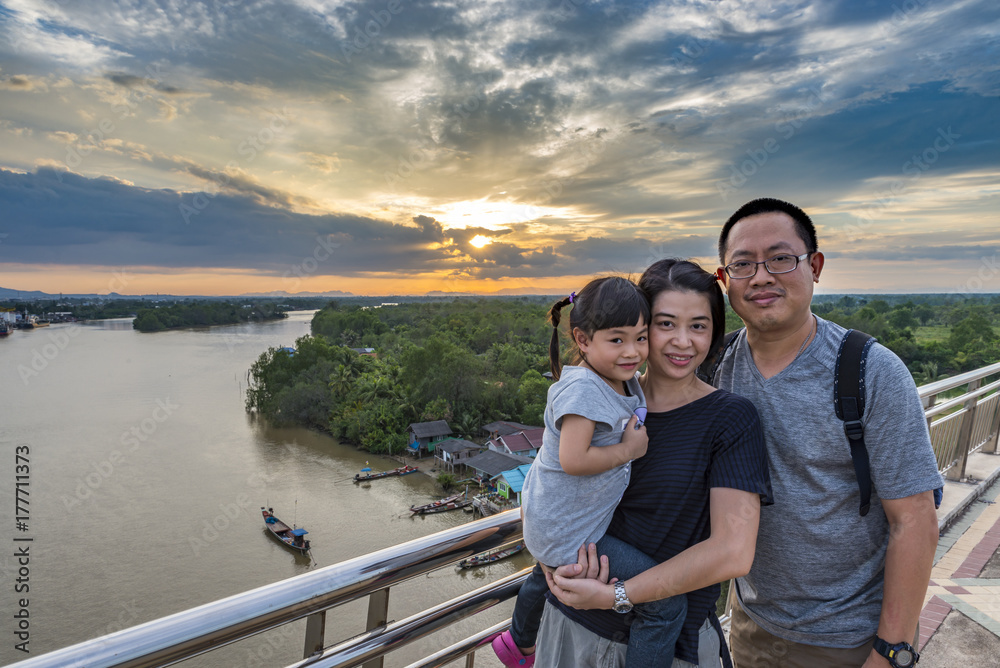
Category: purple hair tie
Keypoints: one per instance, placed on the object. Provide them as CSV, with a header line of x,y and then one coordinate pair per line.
x,y
572,295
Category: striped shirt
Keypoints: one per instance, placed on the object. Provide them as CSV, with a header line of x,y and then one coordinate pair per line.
x,y
715,441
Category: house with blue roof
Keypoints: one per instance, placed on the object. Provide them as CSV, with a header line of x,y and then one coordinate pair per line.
x,y
509,483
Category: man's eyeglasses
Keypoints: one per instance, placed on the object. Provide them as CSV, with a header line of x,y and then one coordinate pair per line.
x,y
779,264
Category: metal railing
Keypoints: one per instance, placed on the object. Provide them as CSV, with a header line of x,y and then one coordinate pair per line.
x,y
186,634
964,424
959,426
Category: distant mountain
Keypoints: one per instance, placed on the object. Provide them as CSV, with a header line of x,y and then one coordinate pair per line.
x,y
23,294
7,293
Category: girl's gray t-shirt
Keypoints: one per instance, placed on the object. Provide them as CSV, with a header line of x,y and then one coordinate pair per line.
x,y
817,575
563,511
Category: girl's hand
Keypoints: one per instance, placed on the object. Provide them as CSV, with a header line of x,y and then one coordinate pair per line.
x,y
635,440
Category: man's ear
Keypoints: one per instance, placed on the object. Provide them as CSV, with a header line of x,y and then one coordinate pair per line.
x,y
816,262
722,277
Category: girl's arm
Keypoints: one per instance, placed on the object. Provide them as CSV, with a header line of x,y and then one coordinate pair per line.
x,y
726,554
578,457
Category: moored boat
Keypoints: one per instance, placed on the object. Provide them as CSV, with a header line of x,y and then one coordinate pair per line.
x,y
402,470
491,556
292,538
448,503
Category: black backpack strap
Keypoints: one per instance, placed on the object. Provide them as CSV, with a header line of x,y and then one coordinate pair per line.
x,y
708,368
849,402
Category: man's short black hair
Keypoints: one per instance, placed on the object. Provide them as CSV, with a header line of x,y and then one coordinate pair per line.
x,y
803,224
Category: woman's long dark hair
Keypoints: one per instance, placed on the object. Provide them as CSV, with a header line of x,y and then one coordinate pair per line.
x,y
686,276
604,303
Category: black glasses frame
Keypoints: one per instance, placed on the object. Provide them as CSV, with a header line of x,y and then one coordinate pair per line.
x,y
798,258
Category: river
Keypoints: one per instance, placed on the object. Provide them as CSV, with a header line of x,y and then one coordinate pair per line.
x,y
146,477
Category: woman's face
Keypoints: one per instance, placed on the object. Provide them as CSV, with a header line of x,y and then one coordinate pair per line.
x,y
680,333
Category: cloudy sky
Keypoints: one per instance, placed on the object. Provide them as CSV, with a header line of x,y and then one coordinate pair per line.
x,y
404,146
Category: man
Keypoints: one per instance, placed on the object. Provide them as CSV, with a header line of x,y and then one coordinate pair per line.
x,y
826,582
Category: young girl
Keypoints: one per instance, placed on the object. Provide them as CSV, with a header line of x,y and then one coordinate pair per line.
x,y
571,490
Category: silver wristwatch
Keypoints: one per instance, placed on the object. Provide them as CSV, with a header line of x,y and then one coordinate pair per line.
x,y
622,604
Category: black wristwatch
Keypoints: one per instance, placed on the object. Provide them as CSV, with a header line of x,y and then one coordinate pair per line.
x,y
900,655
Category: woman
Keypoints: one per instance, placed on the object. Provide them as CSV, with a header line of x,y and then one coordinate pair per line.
x,y
694,499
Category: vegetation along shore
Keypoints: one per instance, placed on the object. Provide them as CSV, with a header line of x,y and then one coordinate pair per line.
x,y
366,373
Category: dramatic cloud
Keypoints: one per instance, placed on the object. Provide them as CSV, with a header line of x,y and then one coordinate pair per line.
x,y
576,136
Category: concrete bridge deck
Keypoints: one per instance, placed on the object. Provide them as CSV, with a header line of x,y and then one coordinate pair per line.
x,y
960,622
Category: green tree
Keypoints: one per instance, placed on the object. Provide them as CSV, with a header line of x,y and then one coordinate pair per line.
x,y
902,318
972,332
532,393
880,306
923,313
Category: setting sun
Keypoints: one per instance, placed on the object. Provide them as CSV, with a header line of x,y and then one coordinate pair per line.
x,y
479,241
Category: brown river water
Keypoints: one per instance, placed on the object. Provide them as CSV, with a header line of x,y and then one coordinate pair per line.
x,y
146,477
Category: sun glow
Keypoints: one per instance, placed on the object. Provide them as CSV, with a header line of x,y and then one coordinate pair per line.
x,y
479,241
493,215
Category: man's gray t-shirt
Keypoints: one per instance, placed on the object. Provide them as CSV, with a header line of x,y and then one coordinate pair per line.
x,y
563,511
817,576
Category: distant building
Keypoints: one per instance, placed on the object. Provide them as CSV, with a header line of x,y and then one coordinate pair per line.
x,y
504,427
525,443
452,452
490,464
367,352
424,436
509,483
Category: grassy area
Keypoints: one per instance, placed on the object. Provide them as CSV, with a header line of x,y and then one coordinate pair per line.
x,y
937,333
933,333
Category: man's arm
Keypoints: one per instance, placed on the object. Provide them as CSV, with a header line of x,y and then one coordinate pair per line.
x,y
913,536
727,553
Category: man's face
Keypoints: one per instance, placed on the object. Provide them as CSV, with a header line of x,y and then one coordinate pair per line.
x,y
769,301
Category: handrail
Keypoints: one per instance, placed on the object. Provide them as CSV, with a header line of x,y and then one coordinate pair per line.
x,y
937,409
980,418
192,632
180,636
376,643
945,384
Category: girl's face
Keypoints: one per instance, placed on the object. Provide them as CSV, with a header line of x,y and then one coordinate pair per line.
x,y
615,354
680,333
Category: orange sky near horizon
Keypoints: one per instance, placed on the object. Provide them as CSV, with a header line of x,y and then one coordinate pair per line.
x,y
134,281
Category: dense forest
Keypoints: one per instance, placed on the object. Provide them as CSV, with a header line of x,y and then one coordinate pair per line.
x,y
471,361
202,314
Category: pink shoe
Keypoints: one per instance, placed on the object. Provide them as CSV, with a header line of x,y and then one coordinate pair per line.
x,y
510,654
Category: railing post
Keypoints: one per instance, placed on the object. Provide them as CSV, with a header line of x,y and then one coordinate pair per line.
x,y
378,614
928,404
965,433
315,633
991,445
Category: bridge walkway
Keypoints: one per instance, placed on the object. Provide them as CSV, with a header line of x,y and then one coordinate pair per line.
x,y
960,621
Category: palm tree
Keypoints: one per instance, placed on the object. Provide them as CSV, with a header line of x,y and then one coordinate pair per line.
x,y
340,380
927,374
466,424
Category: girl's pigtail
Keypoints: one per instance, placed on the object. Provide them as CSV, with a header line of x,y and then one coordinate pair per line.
x,y
555,364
